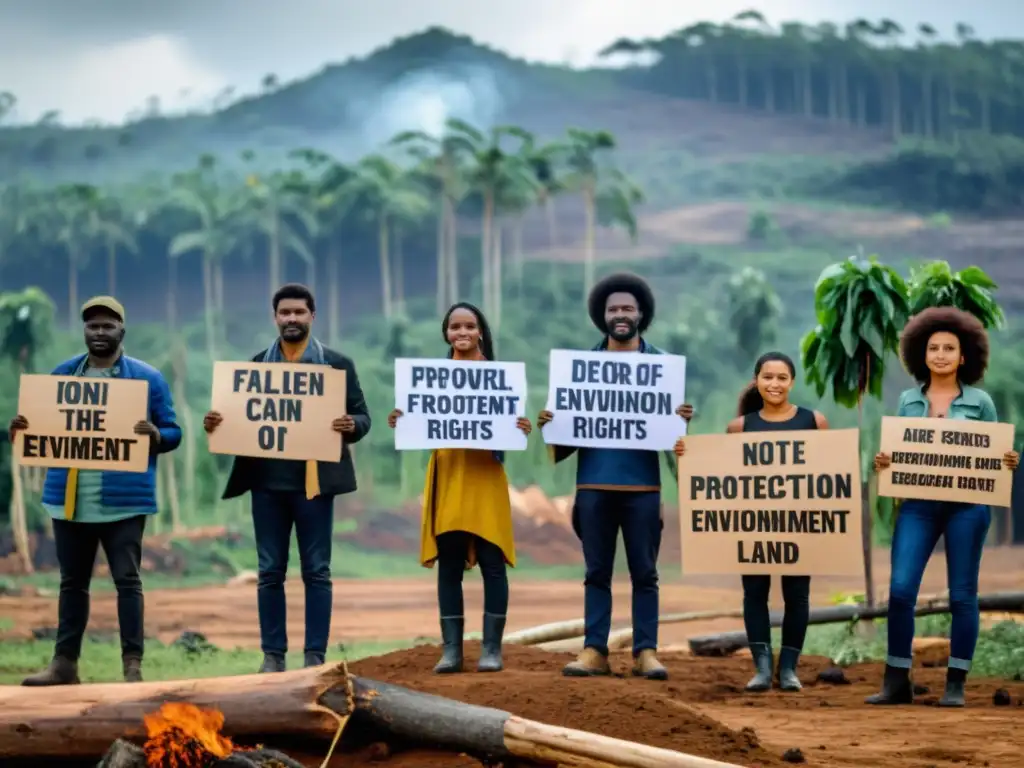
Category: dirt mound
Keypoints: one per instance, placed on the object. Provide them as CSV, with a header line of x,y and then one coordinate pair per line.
x,y
532,686
704,710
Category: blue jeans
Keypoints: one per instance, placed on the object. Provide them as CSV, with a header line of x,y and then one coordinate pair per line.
x,y
598,517
918,528
274,513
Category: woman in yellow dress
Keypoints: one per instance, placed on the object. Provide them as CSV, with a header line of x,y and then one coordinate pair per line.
x,y
467,516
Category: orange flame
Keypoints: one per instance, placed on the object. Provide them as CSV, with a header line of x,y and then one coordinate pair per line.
x,y
182,735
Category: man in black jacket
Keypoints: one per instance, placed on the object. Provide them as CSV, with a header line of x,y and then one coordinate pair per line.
x,y
289,493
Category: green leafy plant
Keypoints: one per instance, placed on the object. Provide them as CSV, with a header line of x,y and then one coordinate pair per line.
x,y
970,289
861,307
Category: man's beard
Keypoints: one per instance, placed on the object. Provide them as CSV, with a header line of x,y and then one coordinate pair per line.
x,y
618,335
294,332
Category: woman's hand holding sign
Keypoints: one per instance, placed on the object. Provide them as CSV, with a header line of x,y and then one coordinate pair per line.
x,y
18,424
211,421
544,417
1011,460
524,424
685,411
882,461
393,418
680,448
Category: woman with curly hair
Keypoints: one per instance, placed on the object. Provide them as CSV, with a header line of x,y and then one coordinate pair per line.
x,y
946,351
764,406
467,515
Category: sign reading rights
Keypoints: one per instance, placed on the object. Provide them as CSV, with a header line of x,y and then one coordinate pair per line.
x,y
786,503
278,410
71,424
459,404
615,400
946,460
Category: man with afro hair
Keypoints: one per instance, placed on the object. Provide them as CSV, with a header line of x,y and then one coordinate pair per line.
x,y
619,489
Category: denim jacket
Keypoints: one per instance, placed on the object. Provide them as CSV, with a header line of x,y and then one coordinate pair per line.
x,y
972,404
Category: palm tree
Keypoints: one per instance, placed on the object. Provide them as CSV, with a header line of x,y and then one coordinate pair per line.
x,y
754,308
861,307
114,231
26,325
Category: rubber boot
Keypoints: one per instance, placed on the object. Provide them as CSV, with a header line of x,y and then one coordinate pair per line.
x,y
61,671
313,659
490,647
954,695
762,680
896,688
646,665
131,666
589,663
272,662
451,653
787,676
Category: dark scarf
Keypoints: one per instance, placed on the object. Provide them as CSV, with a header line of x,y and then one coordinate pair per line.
x,y
313,353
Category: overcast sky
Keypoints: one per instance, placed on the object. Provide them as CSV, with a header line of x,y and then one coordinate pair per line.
x,y
101,59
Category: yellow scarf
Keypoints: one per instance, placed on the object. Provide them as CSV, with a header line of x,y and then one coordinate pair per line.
x,y
292,353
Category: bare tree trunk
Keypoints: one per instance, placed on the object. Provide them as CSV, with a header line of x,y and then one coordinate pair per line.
x,y
589,248
333,298
220,319
442,258
496,275
311,274
274,255
486,264
19,518
209,306
172,294
179,365
385,266
72,289
518,257
399,271
452,242
111,269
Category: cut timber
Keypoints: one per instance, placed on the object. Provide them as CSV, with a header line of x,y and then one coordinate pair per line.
x,y
83,721
570,630
548,743
726,643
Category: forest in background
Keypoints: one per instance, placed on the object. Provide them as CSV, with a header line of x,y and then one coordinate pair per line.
x,y
196,248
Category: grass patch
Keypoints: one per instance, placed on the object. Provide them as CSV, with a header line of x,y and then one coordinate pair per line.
x,y
1000,650
101,659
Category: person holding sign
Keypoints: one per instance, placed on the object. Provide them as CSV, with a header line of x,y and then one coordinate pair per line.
x,y
289,493
94,508
946,350
764,406
619,489
467,515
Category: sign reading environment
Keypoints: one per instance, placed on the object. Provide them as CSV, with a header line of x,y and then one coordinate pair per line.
x,y
946,460
785,503
72,424
459,404
615,400
277,410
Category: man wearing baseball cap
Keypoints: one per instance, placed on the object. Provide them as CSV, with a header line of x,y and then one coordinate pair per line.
x,y
93,509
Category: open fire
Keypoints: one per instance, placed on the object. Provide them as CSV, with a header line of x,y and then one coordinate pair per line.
x,y
181,735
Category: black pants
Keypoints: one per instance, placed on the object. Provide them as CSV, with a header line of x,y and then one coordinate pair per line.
x,y
452,550
77,545
796,594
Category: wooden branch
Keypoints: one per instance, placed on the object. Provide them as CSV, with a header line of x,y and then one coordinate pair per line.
x,y
726,643
84,721
570,630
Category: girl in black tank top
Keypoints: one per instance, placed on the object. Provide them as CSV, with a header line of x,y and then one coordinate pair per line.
x,y
764,407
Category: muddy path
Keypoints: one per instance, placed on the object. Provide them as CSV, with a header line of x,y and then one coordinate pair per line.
x,y
400,610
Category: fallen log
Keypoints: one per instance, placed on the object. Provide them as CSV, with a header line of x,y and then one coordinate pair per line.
x,y
569,630
83,721
727,643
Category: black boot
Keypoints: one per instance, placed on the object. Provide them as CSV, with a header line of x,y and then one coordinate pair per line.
x,y
61,671
451,653
313,659
131,666
954,694
490,648
788,679
762,681
272,662
896,688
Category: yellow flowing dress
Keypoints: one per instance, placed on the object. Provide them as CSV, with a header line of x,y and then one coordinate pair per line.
x,y
466,490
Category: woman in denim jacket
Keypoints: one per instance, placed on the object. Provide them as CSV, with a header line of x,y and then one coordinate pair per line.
x,y
946,351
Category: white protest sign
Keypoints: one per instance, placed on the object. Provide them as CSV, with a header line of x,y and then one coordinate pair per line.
x,y
459,404
615,400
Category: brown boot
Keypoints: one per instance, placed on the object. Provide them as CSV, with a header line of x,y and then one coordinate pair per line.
x,y
132,667
61,671
647,665
589,663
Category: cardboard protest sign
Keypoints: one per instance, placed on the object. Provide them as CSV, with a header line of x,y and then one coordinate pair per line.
x,y
459,404
615,400
785,503
278,410
946,460
71,423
